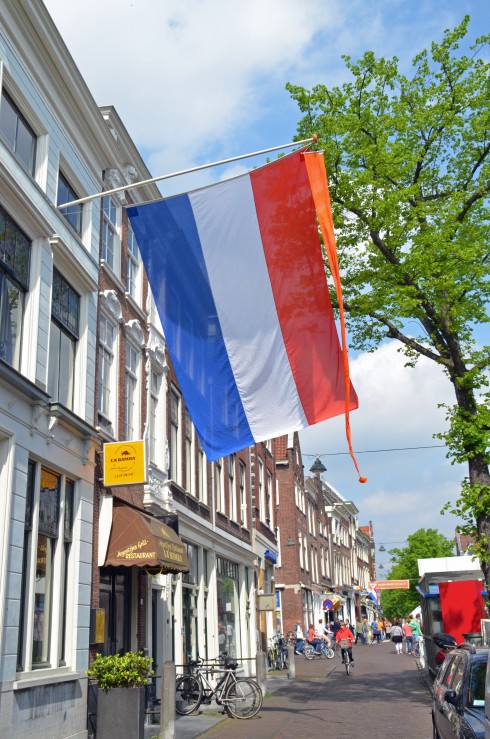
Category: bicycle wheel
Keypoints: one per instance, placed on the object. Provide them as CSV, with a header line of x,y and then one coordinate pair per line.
x,y
347,664
309,652
329,653
243,698
188,694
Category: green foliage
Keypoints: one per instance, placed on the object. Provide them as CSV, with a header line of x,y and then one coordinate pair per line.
x,y
128,670
422,544
408,160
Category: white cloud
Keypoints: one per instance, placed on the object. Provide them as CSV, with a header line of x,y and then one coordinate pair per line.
x,y
397,408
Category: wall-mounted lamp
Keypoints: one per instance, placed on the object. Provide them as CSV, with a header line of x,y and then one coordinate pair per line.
x,y
290,543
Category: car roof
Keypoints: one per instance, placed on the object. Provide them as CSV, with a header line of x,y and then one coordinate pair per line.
x,y
474,651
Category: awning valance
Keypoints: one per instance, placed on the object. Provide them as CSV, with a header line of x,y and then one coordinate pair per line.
x,y
139,540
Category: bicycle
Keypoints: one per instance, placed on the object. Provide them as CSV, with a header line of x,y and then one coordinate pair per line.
x,y
241,697
344,645
273,655
310,652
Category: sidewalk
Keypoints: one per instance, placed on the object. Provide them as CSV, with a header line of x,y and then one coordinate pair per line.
x,y
386,694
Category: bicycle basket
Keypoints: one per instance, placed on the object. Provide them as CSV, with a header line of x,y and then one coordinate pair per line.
x,y
344,643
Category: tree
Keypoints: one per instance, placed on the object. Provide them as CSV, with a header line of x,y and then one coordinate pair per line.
x,y
422,544
408,160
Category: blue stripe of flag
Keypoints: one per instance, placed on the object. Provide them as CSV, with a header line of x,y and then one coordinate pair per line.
x,y
169,244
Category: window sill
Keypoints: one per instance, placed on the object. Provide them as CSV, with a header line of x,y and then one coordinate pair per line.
x,y
46,676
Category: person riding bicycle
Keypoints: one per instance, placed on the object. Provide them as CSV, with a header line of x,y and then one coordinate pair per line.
x,y
345,633
321,635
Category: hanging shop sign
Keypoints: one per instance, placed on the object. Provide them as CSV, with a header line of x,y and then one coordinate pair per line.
x,y
266,602
125,463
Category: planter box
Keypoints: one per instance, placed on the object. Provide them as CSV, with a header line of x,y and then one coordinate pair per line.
x,y
121,713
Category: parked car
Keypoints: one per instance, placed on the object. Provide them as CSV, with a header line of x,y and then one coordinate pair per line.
x,y
458,707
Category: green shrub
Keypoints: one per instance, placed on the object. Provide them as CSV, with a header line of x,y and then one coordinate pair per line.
x,y
128,670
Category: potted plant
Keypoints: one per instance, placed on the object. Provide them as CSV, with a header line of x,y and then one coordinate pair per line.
x,y
121,681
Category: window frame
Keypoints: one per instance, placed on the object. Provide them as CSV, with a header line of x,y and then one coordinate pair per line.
x,y
107,415
73,215
66,327
111,225
56,625
13,146
132,385
175,436
133,267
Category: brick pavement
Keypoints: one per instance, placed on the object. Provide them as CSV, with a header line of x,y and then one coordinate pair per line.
x,y
385,695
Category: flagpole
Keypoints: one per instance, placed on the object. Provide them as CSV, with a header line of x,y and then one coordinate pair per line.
x,y
86,199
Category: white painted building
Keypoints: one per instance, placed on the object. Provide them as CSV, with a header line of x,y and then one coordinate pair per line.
x,y
52,150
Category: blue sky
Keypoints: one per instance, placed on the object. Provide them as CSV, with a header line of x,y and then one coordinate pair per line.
x,y
196,81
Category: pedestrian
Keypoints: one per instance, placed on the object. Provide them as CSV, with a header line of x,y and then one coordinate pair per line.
x,y
407,633
376,631
397,636
416,631
335,626
419,619
300,638
365,631
388,628
359,632
381,629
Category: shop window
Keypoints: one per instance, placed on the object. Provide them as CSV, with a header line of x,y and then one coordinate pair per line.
x,y
44,630
228,607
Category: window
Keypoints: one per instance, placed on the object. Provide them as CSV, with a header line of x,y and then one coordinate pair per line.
x,y
15,256
202,492
232,492
66,194
44,611
17,132
260,491
133,266
175,456
155,385
109,231
227,585
268,499
63,339
243,494
107,338
476,693
189,455
131,426
218,486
